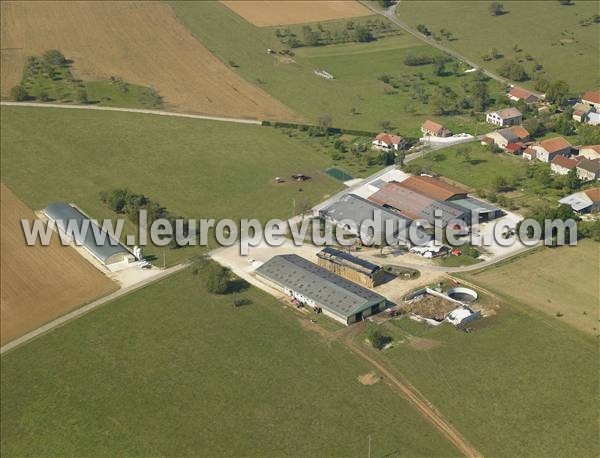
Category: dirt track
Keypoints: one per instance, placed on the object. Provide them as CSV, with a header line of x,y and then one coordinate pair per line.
x,y
269,13
40,283
409,392
141,42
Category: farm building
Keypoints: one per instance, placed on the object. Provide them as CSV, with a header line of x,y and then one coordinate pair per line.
x,y
548,149
516,93
431,128
590,151
351,267
587,201
103,247
354,208
505,117
415,205
433,188
388,142
484,210
580,111
318,288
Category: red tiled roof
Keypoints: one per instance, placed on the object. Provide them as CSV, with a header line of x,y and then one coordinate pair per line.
x,y
432,187
591,96
515,147
508,113
530,151
432,126
592,147
389,139
519,131
565,162
593,194
555,144
520,93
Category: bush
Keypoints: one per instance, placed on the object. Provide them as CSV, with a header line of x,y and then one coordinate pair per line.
x,y
378,339
423,29
217,278
55,57
412,60
514,71
19,93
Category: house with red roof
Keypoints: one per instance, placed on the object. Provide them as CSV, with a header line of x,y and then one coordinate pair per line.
x,y
517,93
547,150
592,98
434,129
388,142
563,165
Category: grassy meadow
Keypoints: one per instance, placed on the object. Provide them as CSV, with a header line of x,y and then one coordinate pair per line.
x,y
547,31
357,98
521,384
172,370
194,168
541,281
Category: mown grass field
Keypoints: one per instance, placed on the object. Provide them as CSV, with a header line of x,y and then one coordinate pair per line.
x,y
355,99
194,168
521,384
548,31
174,371
555,281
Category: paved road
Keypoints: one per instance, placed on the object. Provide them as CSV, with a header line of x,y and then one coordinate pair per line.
x,y
132,110
88,308
390,13
408,392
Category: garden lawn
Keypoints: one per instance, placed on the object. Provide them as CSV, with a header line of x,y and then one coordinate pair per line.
x,y
172,370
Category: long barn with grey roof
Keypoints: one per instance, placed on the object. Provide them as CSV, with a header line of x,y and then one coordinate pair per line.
x,y
95,240
314,286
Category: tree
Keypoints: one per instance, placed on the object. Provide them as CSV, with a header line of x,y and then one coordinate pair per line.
x,y
501,184
464,152
589,135
378,339
514,71
534,127
496,9
480,95
324,122
19,93
439,64
310,38
400,157
541,84
362,34
217,278
423,29
557,93
82,96
55,57
572,180
385,125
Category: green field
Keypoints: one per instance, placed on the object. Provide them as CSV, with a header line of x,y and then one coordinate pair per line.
x,y
357,98
194,168
174,371
549,32
541,281
518,385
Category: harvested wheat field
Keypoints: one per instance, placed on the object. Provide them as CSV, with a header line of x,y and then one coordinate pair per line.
x,y
40,283
269,13
140,42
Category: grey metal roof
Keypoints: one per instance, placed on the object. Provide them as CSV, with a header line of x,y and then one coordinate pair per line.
x,y
62,213
334,293
346,259
357,209
472,204
578,201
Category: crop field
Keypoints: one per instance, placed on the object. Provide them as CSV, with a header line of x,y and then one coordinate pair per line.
x,y
184,372
520,384
194,168
362,99
541,281
140,42
267,13
553,35
40,283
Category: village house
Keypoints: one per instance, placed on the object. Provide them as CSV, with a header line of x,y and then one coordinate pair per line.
x,y
504,137
590,151
592,98
587,201
516,93
563,165
505,117
580,111
547,150
433,129
388,142
530,154
588,169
